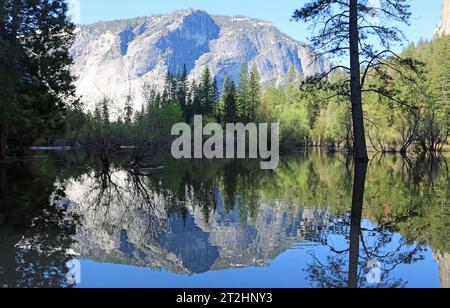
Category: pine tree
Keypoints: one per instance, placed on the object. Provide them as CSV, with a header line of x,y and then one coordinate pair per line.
x,y
182,89
170,91
104,109
128,109
294,82
243,93
196,99
215,97
207,93
151,98
158,101
254,93
37,35
229,100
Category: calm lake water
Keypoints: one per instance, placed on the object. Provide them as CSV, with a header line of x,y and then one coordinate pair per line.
x,y
66,218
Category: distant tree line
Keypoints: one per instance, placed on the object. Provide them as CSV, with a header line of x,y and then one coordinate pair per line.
x,y
178,101
405,111
234,103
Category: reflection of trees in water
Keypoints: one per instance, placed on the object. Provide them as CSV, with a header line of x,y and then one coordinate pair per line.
x,y
412,198
197,185
398,197
35,235
409,197
350,267
401,194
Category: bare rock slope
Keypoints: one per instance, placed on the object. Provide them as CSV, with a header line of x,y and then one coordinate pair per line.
x,y
115,59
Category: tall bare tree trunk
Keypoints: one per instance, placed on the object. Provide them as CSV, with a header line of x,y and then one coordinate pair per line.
x,y
360,148
355,225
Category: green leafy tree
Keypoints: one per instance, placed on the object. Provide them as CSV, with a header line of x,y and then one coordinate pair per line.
x,y
35,37
437,119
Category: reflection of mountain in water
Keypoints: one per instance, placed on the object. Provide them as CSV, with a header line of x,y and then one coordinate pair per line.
x,y
194,217
128,232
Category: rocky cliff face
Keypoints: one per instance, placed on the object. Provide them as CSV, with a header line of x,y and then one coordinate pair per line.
x,y
444,26
115,59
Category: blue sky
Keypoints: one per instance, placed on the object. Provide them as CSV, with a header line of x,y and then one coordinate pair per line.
x,y
426,13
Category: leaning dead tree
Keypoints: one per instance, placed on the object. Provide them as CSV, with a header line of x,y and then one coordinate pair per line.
x,y
358,34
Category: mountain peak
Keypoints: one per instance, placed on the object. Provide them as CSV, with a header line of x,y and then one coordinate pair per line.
x,y
115,59
188,12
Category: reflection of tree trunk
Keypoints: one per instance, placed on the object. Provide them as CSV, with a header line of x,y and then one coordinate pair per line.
x,y
355,227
